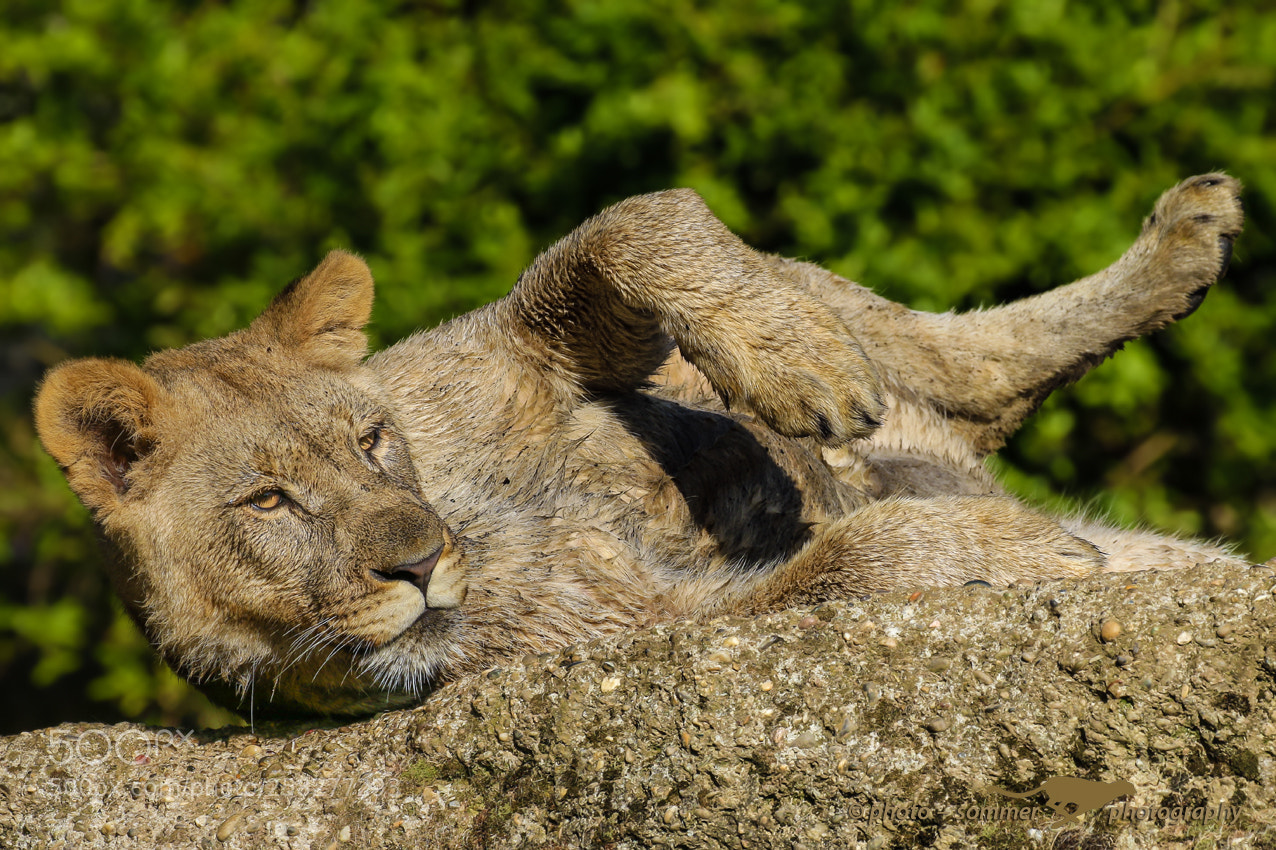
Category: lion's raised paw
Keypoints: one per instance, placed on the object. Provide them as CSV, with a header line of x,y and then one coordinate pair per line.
x,y
1196,223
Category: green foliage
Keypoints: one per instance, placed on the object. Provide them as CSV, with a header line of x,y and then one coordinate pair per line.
x,y
58,631
168,166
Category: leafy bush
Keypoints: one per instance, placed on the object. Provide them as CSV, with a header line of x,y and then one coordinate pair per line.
x,y
168,166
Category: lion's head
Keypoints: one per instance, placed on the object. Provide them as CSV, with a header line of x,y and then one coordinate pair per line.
x,y
264,516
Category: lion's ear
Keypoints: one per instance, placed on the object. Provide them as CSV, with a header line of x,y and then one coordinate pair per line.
x,y
96,418
321,316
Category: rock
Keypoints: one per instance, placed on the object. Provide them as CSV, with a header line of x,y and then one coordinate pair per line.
x,y
677,756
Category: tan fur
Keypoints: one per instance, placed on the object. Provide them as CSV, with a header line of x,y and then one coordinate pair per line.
x,y
657,422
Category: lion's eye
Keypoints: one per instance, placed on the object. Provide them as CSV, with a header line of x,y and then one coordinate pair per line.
x,y
268,500
370,440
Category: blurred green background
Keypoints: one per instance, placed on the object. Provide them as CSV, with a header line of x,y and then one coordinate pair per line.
x,y
166,167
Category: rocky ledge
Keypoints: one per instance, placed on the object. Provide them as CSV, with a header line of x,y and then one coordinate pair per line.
x,y
884,722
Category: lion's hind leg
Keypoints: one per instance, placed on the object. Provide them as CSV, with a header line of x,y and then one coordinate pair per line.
x,y
1133,550
902,543
987,370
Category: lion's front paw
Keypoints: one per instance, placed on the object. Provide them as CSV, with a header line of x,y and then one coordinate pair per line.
x,y
1191,232
800,371
834,397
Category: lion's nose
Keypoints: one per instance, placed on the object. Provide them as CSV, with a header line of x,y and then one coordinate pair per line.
x,y
438,575
413,572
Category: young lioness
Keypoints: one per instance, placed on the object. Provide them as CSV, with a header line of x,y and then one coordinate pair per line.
x,y
657,422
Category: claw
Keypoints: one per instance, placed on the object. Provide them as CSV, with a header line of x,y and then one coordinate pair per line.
x,y
1225,245
826,430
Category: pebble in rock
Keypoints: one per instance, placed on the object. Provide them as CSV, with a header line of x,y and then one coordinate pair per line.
x,y
229,826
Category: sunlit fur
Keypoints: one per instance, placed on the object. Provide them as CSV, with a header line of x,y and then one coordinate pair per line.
x,y
656,423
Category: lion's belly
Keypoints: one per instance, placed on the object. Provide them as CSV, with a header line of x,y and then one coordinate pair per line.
x,y
696,487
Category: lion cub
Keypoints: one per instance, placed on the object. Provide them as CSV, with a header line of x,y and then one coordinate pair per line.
x,y
657,422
